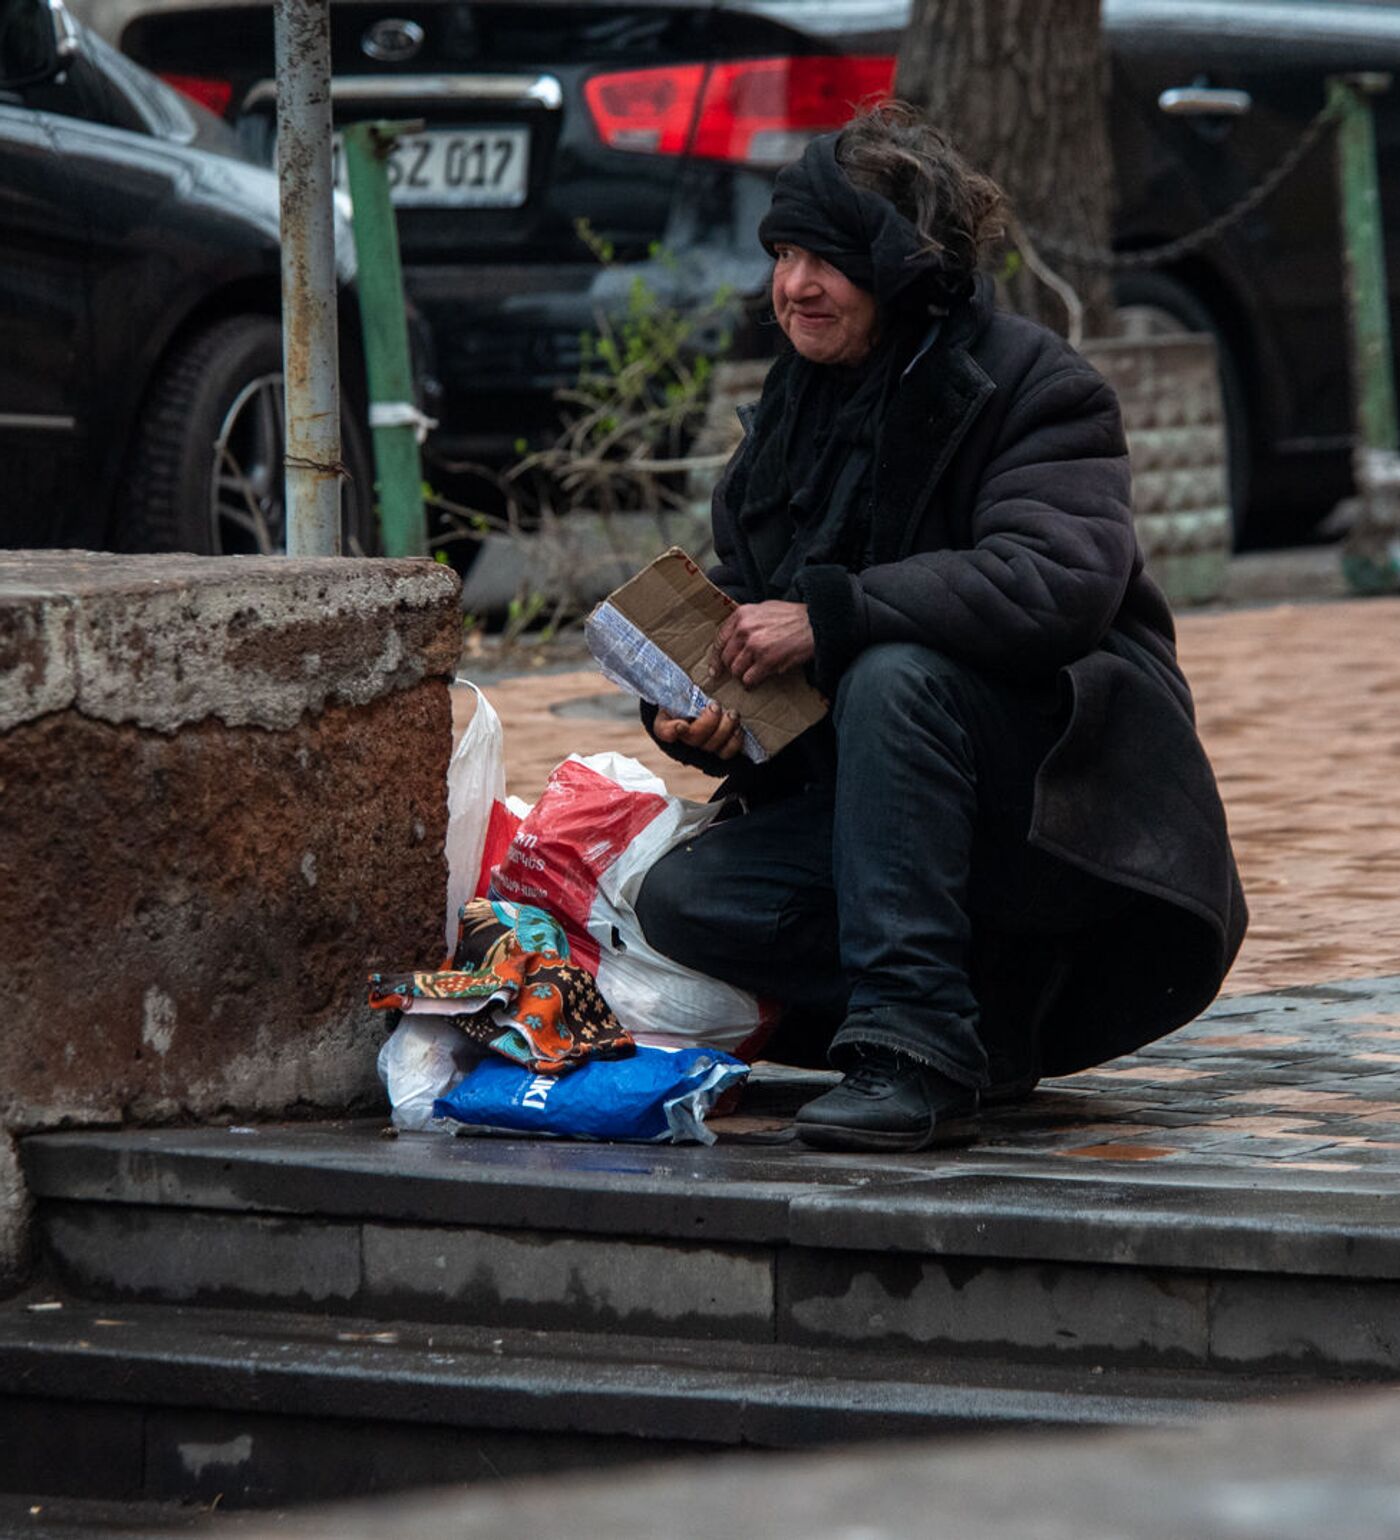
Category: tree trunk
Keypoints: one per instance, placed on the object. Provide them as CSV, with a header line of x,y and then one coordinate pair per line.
x,y
1019,85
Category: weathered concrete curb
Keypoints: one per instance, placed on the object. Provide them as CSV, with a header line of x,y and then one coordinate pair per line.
x,y
222,801
1326,1466
165,641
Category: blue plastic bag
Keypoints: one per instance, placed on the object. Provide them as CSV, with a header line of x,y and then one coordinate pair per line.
x,y
655,1095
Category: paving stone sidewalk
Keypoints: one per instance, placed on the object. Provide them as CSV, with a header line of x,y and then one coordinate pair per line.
x,y
1304,1080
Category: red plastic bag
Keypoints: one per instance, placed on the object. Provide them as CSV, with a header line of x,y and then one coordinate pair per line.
x,y
500,831
581,855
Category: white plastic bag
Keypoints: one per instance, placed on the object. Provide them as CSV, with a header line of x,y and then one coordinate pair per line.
x,y
421,1060
581,855
476,781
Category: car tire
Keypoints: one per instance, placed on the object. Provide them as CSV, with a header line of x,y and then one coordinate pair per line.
x,y
205,471
1157,304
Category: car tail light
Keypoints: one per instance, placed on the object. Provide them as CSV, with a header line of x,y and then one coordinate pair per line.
x,y
204,89
764,110
758,111
650,110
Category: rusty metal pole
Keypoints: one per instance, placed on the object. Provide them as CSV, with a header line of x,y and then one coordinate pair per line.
x,y
310,341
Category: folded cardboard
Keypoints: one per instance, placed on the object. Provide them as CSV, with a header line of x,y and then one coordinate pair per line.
x,y
680,611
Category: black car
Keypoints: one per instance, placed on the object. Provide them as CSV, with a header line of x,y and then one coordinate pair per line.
x,y
140,347
1207,97
661,122
538,115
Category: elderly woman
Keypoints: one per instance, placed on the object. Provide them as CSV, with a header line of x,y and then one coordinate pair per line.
x,y
1003,853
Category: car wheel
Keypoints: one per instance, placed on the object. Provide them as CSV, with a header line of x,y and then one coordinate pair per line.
x,y
1158,305
206,468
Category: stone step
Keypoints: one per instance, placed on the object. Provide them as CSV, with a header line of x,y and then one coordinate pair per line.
x,y
264,1407
964,1253
966,1202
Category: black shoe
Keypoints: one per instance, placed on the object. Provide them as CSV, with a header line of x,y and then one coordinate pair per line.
x,y
888,1102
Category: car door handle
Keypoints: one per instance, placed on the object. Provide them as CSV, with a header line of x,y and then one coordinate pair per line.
x,y
1204,102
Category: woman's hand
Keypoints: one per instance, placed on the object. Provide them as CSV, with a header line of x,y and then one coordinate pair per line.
x,y
712,732
760,640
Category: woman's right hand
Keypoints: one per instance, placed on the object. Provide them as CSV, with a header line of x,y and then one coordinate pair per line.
x,y
712,732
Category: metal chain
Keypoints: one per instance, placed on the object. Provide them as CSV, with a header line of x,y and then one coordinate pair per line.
x,y
1156,256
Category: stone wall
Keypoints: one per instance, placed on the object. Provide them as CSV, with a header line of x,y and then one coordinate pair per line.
x,y
1174,416
221,803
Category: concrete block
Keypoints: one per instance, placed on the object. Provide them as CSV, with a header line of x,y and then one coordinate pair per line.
x,y
568,1282
222,805
1337,1324
165,641
963,1303
182,1257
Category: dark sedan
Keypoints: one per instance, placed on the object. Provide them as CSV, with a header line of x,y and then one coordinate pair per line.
x,y
1207,97
140,348
662,122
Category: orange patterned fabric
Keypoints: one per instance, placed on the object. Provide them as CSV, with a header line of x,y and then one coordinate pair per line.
x,y
516,990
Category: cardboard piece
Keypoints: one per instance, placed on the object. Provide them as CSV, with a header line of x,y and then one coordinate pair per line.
x,y
679,610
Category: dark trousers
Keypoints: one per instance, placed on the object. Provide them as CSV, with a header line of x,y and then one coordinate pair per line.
x,y
861,892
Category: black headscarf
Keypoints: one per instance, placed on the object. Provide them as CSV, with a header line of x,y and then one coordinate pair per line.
x,y
862,234
806,495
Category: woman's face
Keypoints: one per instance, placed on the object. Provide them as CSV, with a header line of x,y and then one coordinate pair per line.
x,y
827,318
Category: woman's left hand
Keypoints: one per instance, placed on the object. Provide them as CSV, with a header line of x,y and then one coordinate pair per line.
x,y
760,640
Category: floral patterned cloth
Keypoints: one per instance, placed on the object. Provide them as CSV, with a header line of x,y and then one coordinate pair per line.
x,y
510,986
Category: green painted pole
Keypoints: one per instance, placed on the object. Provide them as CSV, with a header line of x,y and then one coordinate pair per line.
x,y
1371,557
394,417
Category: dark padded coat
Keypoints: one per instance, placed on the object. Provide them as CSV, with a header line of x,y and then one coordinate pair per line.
x,y
1003,537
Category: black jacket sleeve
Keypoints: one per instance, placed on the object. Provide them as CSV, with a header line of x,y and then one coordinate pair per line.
x,y
1052,549
682,753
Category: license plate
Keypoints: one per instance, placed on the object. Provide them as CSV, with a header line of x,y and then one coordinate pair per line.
x,y
454,168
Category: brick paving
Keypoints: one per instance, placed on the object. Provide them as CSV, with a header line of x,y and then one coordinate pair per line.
x,y
1304,1080
1297,1066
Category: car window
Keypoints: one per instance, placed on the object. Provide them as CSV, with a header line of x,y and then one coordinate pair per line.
x,y
24,41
